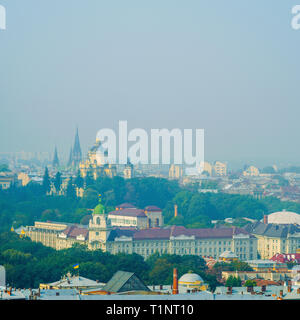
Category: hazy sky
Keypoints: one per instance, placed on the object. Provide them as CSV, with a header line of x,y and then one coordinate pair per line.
x,y
230,67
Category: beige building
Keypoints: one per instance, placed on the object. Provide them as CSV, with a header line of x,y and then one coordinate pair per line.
x,y
96,164
182,241
127,215
7,179
128,171
275,238
100,234
24,178
46,233
175,172
251,172
250,275
206,167
220,169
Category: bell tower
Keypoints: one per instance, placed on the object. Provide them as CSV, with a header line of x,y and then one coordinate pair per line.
x,y
99,228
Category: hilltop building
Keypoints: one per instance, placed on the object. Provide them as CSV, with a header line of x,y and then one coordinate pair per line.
x,y
96,165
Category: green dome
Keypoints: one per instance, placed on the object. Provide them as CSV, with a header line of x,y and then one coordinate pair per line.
x,y
99,209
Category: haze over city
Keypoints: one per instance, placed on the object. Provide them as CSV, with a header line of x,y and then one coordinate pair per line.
x,y
149,155
230,69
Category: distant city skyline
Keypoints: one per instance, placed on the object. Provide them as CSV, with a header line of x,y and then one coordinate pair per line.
x,y
227,67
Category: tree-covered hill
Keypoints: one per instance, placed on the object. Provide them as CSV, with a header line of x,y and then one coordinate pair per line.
x,y
24,205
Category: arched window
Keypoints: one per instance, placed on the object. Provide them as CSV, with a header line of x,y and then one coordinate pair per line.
x,y
156,222
98,220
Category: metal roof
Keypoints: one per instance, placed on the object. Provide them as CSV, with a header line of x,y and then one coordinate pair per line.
x,y
117,281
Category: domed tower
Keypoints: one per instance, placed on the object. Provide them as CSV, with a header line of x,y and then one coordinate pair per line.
x,y
99,227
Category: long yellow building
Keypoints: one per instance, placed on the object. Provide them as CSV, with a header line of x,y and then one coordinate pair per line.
x,y
101,234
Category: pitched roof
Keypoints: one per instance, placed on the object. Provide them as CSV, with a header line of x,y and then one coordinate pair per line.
x,y
75,281
175,231
124,281
155,233
153,208
118,232
129,212
74,231
272,230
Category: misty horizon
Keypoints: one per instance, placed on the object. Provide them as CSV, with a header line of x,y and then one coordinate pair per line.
x,y
156,65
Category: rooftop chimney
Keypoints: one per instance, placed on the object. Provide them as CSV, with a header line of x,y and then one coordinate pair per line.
x,y
175,210
265,219
175,281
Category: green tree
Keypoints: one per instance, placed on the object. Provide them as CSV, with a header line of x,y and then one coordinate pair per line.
x,y
46,181
249,283
233,281
4,168
89,180
79,181
57,181
71,192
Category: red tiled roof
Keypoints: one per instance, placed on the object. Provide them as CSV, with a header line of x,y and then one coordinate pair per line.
x,y
73,232
130,212
157,233
262,282
286,257
175,231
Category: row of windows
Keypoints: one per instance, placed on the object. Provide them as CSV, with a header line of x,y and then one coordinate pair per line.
x,y
147,252
123,221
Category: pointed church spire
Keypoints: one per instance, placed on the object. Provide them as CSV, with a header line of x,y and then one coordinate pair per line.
x,y
55,162
76,150
70,158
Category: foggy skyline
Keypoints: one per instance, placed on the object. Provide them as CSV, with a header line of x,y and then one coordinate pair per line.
x,y
228,67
